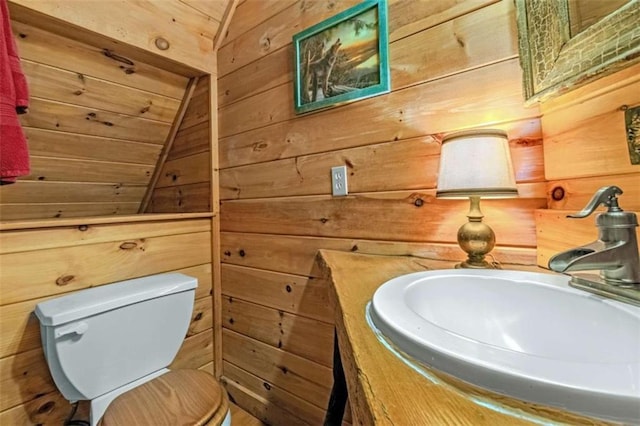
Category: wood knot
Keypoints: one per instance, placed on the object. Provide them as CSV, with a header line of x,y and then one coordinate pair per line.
x,y
65,279
242,253
198,317
557,193
288,288
266,43
47,407
162,43
128,245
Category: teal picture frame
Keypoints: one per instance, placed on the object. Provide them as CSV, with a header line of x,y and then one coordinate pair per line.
x,y
342,59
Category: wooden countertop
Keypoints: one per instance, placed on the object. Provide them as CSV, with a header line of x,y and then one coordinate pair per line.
x,y
384,390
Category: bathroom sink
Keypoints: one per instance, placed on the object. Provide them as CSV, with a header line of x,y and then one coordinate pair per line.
x,y
523,334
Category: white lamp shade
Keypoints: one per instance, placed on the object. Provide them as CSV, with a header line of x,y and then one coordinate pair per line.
x,y
476,162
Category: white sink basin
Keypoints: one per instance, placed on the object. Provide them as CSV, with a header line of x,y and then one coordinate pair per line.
x,y
522,334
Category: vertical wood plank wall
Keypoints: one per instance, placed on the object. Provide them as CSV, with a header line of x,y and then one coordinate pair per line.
x,y
184,184
454,65
37,264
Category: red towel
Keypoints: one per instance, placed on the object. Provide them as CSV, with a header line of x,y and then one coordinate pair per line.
x,y
14,98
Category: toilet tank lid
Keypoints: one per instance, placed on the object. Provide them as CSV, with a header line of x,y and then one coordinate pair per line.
x,y
85,303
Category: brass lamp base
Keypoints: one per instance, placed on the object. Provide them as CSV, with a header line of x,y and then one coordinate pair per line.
x,y
476,239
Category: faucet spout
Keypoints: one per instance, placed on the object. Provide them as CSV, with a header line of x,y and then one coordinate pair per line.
x,y
609,258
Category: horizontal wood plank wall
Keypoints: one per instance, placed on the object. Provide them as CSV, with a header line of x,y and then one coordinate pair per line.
x,y
184,183
585,148
37,264
96,120
454,65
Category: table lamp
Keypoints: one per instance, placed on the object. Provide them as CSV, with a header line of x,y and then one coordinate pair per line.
x,y
474,164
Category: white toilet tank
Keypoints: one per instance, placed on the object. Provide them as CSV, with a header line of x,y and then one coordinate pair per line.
x,y
99,339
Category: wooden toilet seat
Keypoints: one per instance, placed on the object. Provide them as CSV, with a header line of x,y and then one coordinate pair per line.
x,y
179,397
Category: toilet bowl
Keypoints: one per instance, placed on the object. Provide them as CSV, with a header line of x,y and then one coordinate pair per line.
x,y
111,345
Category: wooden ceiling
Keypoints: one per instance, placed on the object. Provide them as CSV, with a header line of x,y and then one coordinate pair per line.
x,y
97,124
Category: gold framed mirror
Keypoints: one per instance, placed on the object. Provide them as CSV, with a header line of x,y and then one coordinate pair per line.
x,y
554,62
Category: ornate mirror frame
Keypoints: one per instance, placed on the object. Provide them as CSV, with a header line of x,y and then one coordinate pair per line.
x,y
553,62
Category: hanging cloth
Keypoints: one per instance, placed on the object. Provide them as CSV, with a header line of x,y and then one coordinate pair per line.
x,y
14,100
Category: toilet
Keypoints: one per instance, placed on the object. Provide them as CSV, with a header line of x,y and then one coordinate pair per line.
x,y
111,345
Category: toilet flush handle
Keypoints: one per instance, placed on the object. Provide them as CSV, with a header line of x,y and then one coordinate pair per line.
x,y
78,328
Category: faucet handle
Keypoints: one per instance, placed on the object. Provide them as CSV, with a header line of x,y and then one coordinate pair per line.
x,y
606,196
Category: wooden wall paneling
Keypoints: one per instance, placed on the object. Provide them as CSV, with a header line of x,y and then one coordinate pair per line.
x,y
456,45
413,17
297,375
370,167
196,351
454,67
214,9
295,406
190,141
588,128
131,29
23,378
305,337
184,180
27,393
458,101
185,171
394,216
58,210
76,119
49,143
21,329
25,375
557,232
578,192
270,71
260,407
250,13
71,268
64,170
198,109
480,97
35,44
181,199
48,409
242,417
202,316
68,192
303,296
47,82
17,241
228,13
296,254
274,33
168,144
255,34
214,180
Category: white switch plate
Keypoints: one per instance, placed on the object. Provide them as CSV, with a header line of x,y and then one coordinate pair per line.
x,y
339,181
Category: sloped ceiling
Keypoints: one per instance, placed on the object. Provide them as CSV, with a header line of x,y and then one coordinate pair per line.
x,y
96,126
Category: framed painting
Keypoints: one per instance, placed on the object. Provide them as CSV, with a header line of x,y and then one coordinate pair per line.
x,y
342,59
